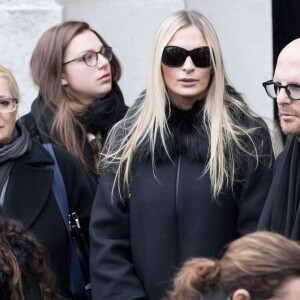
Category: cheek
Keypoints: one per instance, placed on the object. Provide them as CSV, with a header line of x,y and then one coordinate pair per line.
x,y
205,74
169,76
11,122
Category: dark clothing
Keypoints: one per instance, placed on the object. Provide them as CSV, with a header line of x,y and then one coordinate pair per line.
x,y
98,119
282,211
138,244
29,198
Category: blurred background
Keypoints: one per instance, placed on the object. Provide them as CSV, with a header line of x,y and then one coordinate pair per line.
x,y
251,33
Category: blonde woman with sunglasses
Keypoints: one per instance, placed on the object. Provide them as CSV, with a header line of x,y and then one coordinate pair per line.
x,y
184,173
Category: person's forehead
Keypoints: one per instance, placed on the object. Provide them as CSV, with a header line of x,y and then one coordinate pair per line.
x,y
5,90
288,68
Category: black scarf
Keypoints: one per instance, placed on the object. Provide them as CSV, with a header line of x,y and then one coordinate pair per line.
x,y
99,118
19,145
282,211
103,114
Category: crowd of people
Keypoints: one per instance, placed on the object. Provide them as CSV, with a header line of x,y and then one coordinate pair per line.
x,y
176,195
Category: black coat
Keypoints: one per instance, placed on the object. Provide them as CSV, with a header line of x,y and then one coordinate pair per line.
x,y
98,119
282,210
29,198
171,216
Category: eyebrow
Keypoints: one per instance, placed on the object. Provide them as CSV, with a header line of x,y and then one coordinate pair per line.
x,y
2,96
83,52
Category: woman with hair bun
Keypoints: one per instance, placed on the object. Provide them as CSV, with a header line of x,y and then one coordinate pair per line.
x,y
258,266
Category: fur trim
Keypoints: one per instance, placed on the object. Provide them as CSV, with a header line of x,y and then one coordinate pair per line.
x,y
187,137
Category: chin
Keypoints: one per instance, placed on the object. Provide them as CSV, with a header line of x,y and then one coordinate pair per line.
x,y
290,130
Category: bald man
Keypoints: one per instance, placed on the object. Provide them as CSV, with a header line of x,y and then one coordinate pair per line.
x,y
282,210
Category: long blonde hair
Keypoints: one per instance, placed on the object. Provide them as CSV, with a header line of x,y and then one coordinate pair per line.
x,y
260,262
149,120
46,68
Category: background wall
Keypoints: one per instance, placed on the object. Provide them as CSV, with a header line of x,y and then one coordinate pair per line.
x,y
243,27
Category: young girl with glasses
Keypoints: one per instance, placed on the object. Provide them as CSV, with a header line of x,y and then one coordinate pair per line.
x,y
79,99
185,172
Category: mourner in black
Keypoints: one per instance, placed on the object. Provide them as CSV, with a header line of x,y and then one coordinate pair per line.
x,y
79,99
26,178
282,210
184,173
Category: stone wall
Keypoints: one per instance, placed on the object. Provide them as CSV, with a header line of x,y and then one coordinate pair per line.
x,y
243,27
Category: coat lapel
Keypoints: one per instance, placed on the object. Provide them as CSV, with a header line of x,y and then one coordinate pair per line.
x,y
29,186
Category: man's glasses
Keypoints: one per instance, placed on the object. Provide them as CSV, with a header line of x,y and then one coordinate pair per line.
x,y
91,57
272,88
174,56
8,105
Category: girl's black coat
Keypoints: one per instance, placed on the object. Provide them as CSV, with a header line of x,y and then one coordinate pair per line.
x,y
29,198
171,216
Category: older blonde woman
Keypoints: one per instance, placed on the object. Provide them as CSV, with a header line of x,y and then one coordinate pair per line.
x,y
184,173
26,178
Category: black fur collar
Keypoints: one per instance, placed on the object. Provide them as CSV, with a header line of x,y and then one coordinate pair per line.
x,y
187,137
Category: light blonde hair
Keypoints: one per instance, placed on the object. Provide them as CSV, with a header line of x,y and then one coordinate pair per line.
x,y
149,120
7,74
260,262
46,69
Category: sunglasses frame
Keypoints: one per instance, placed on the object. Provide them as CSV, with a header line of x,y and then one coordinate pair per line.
x,y
193,54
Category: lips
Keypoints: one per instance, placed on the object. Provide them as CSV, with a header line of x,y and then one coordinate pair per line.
x,y
105,76
188,80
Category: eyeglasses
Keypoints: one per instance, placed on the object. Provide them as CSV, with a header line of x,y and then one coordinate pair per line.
x,y
91,57
8,105
174,56
272,88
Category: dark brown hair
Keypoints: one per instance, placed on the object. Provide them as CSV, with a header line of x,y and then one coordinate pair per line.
x,y
46,69
23,263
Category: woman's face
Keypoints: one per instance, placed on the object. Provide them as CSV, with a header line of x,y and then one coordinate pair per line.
x,y
87,83
187,83
7,120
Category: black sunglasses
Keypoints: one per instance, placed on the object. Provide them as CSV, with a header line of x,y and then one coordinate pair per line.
x,y
174,56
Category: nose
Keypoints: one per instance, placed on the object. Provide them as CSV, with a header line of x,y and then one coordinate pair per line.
x,y
282,97
102,61
188,64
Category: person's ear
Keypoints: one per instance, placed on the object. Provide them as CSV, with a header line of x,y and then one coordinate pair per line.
x,y
63,79
241,294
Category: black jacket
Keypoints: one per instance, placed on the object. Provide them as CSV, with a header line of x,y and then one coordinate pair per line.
x,y
29,198
136,247
282,210
98,119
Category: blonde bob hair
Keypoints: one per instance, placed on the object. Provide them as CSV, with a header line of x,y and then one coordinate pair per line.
x,y
14,89
260,262
149,120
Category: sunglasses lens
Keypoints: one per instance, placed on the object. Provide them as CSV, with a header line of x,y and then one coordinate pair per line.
x,y
201,57
175,56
